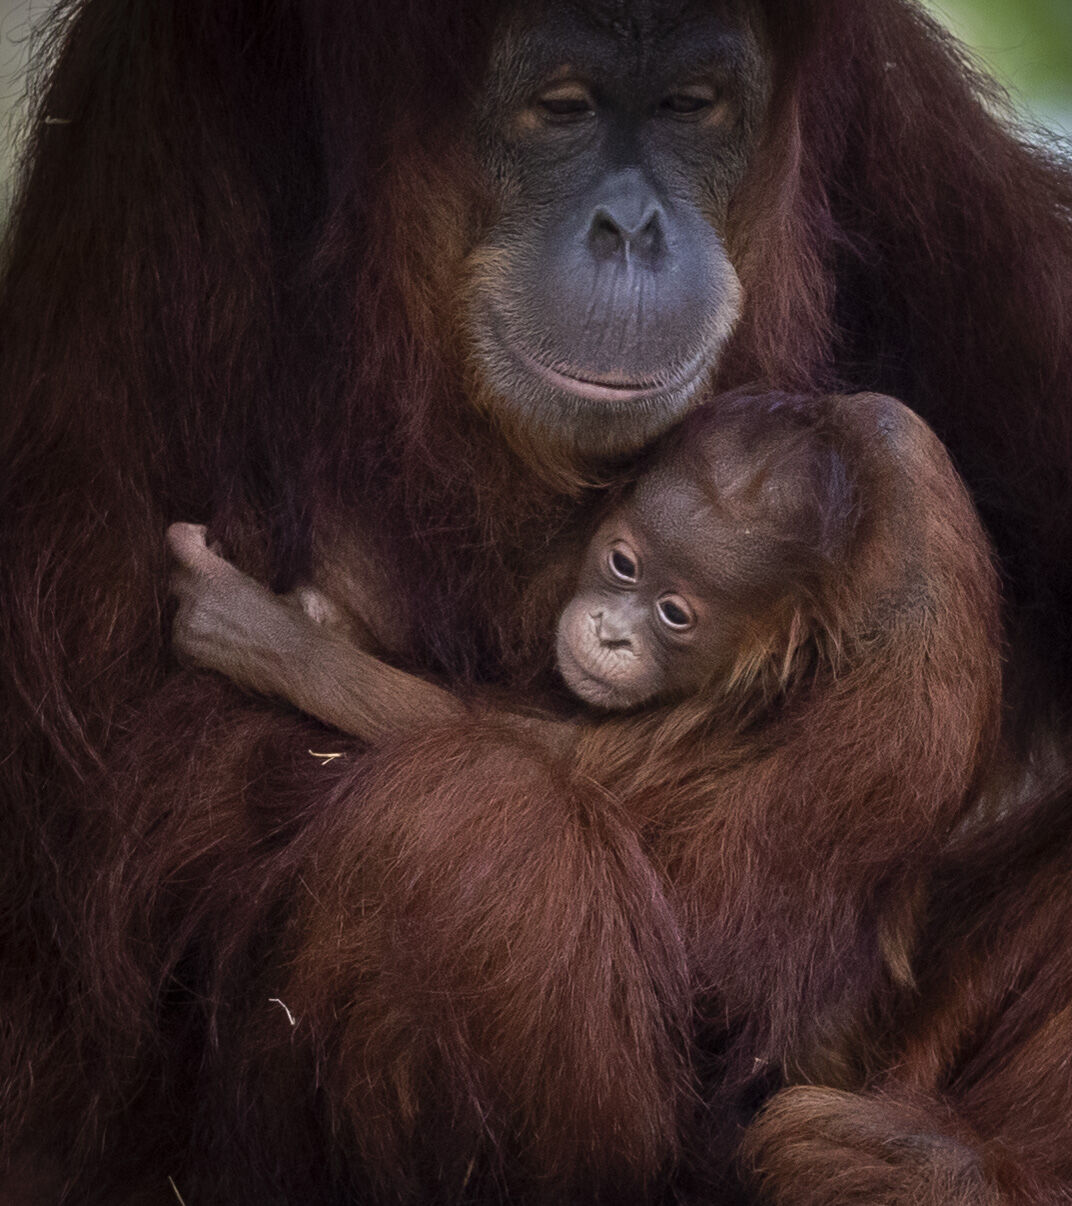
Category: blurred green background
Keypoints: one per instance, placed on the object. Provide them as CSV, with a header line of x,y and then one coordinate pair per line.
x,y
1027,44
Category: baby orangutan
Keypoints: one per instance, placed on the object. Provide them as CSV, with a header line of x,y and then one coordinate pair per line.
x,y
707,571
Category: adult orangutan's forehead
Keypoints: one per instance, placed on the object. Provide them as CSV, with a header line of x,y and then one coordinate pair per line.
x,y
644,20
639,31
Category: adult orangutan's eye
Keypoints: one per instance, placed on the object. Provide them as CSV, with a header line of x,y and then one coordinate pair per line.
x,y
688,103
565,103
623,565
675,613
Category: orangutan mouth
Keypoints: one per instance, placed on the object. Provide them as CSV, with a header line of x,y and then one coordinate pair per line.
x,y
611,388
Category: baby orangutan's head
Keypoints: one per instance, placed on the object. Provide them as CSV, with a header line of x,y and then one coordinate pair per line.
x,y
712,563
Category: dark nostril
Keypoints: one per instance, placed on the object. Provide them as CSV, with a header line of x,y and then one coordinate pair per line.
x,y
605,236
609,236
648,240
650,230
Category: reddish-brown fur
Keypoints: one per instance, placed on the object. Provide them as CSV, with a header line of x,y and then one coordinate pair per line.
x,y
975,1108
894,613
215,305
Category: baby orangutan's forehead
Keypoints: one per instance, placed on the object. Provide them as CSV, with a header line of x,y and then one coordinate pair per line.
x,y
678,528
669,506
714,542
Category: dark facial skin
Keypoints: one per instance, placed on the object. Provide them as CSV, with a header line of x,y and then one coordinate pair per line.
x,y
615,136
688,575
659,609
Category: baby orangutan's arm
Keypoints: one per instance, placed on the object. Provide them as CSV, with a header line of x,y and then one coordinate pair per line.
x,y
228,622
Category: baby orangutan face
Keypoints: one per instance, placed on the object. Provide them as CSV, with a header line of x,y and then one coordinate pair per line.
x,y
652,616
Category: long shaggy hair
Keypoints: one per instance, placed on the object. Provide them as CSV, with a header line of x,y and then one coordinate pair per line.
x,y
228,296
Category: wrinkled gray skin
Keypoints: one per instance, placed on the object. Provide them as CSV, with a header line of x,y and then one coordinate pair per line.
x,y
614,136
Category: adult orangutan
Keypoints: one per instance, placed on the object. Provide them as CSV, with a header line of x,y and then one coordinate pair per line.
x,y
437,273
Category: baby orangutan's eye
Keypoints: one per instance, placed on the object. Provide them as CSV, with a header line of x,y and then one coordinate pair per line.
x,y
623,565
675,613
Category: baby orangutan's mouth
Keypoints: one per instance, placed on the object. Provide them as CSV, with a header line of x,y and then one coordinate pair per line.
x,y
591,687
580,680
